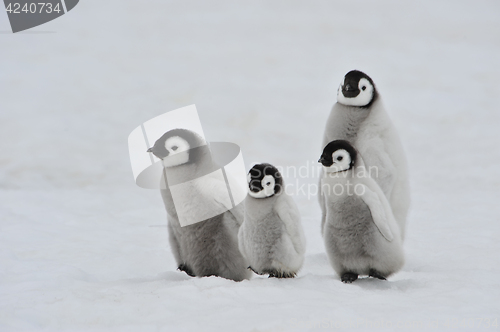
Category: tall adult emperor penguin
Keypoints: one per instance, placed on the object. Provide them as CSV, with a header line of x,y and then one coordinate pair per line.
x,y
208,247
359,117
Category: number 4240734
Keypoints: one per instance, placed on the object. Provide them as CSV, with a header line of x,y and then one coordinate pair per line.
x,y
40,7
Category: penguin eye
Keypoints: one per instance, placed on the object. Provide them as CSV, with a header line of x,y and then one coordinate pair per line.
x,y
268,184
175,147
363,88
339,158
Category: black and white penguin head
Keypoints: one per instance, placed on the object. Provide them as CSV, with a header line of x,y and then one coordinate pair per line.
x,y
357,89
176,146
264,180
338,156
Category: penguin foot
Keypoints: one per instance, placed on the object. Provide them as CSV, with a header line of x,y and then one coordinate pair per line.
x,y
185,268
349,277
280,274
250,268
375,274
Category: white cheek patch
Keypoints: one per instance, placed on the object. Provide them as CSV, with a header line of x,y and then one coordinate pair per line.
x,y
268,184
178,142
176,159
362,99
339,165
178,156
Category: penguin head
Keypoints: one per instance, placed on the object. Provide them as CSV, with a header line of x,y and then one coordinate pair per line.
x,y
176,146
338,156
357,89
264,180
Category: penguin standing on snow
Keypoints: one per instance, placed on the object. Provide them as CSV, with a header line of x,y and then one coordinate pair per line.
x,y
271,237
360,232
360,118
209,247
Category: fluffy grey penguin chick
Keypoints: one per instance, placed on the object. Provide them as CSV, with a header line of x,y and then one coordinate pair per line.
x,y
360,118
209,247
360,232
271,237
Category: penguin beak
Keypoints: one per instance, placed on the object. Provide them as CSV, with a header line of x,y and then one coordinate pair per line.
x,y
321,160
150,150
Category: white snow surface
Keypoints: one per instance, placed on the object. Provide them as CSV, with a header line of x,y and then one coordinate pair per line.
x,y
84,249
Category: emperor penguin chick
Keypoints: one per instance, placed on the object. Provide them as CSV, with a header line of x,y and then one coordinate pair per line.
x,y
271,237
359,117
208,247
360,232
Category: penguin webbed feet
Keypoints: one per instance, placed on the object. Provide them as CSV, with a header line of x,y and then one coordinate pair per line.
x,y
348,277
184,268
281,274
251,269
375,274
275,273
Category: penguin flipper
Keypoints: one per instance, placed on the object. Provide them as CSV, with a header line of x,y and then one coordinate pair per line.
x,y
379,215
185,268
378,154
259,273
289,214
321,199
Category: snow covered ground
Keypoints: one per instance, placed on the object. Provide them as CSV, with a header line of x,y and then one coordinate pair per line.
x,y
83,249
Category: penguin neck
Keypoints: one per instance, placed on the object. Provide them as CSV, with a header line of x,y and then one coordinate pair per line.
x,y
346,121
166,194
260,207
378,118
200,164
341,176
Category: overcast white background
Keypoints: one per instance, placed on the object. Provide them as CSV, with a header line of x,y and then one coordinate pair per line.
x,y
82,248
